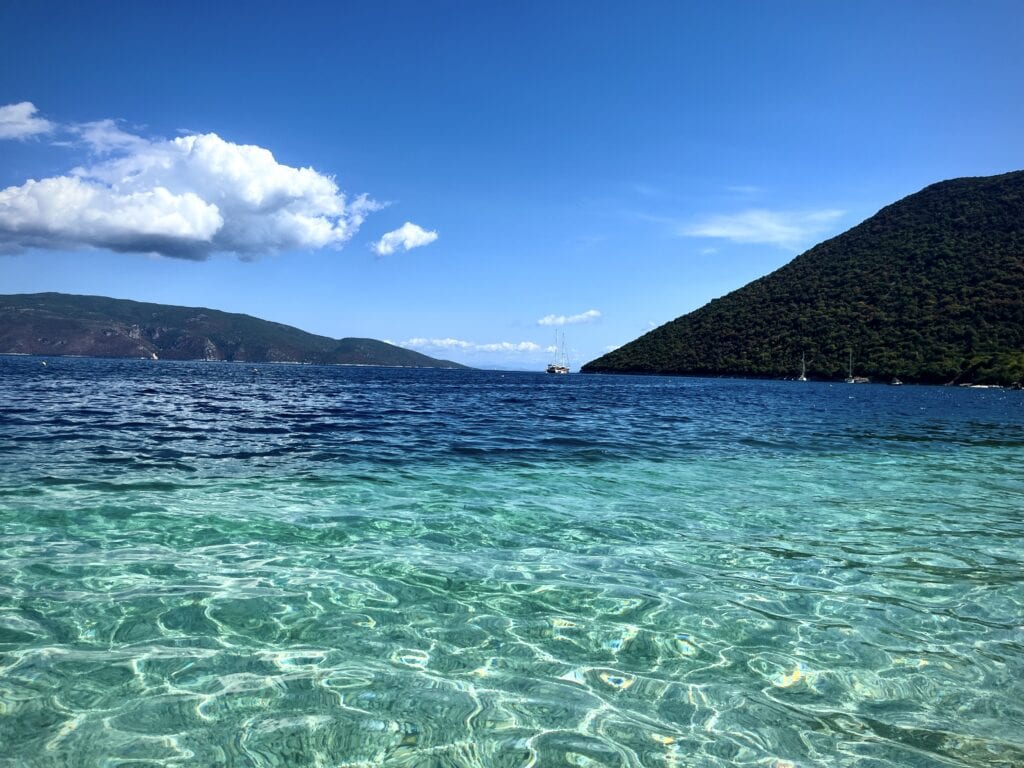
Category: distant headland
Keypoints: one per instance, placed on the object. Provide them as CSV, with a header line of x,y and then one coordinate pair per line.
x,y
930,290
96,326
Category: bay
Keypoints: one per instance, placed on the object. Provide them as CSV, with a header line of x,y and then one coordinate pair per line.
x,y
227,564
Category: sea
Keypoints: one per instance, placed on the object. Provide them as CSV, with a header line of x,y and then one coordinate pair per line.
x,y
226,564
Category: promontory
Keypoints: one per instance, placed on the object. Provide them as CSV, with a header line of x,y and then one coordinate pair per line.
x,y
95,326
930,289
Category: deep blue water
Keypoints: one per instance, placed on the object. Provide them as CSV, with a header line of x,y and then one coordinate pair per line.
x,y
226,564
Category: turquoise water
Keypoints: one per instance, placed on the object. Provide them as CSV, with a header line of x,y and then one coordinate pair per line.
x,y
207,564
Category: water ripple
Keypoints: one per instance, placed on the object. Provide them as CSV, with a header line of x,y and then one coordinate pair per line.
x,y
355,567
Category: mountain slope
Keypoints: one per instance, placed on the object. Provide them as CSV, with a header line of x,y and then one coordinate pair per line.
x,y
930,289
64,324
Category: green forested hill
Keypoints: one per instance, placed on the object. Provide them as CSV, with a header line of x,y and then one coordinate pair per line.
x,y
63,324
930,289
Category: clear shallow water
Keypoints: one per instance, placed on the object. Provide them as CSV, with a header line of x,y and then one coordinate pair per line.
x,y
202,565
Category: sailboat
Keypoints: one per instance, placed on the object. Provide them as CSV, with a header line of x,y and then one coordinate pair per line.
x,y
850,378
560,363
803,367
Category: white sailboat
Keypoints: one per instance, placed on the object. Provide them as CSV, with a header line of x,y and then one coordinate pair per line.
x,y
561,362
803,367
850,378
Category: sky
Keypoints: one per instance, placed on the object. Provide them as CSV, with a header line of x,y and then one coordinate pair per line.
x,y
466,178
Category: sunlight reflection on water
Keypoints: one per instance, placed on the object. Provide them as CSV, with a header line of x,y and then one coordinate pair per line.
x,y
330,566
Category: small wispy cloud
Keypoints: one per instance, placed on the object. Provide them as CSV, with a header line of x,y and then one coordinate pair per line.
x,y
787,229
104,136
583,317
406,237
471,346
18,121
743,189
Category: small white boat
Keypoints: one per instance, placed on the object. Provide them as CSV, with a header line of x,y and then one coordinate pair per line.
x,y
803,367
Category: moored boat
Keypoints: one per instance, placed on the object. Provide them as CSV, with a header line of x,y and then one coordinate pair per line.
x,y
561,362
850,378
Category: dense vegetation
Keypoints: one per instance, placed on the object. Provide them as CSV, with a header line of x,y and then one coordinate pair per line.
x,y
930,289
62,324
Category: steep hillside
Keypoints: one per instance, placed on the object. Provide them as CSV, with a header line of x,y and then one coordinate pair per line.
x,y
929,289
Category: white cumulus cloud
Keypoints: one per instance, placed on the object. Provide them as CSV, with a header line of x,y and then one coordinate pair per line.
x,y
788,229
583,317
509,346
188,197
18,121
406,237
471,346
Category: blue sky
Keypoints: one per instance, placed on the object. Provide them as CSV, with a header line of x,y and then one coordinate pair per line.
x,y
597,167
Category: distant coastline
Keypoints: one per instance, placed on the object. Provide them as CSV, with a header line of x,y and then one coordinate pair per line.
x,y
67,325
1013,385
244,362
